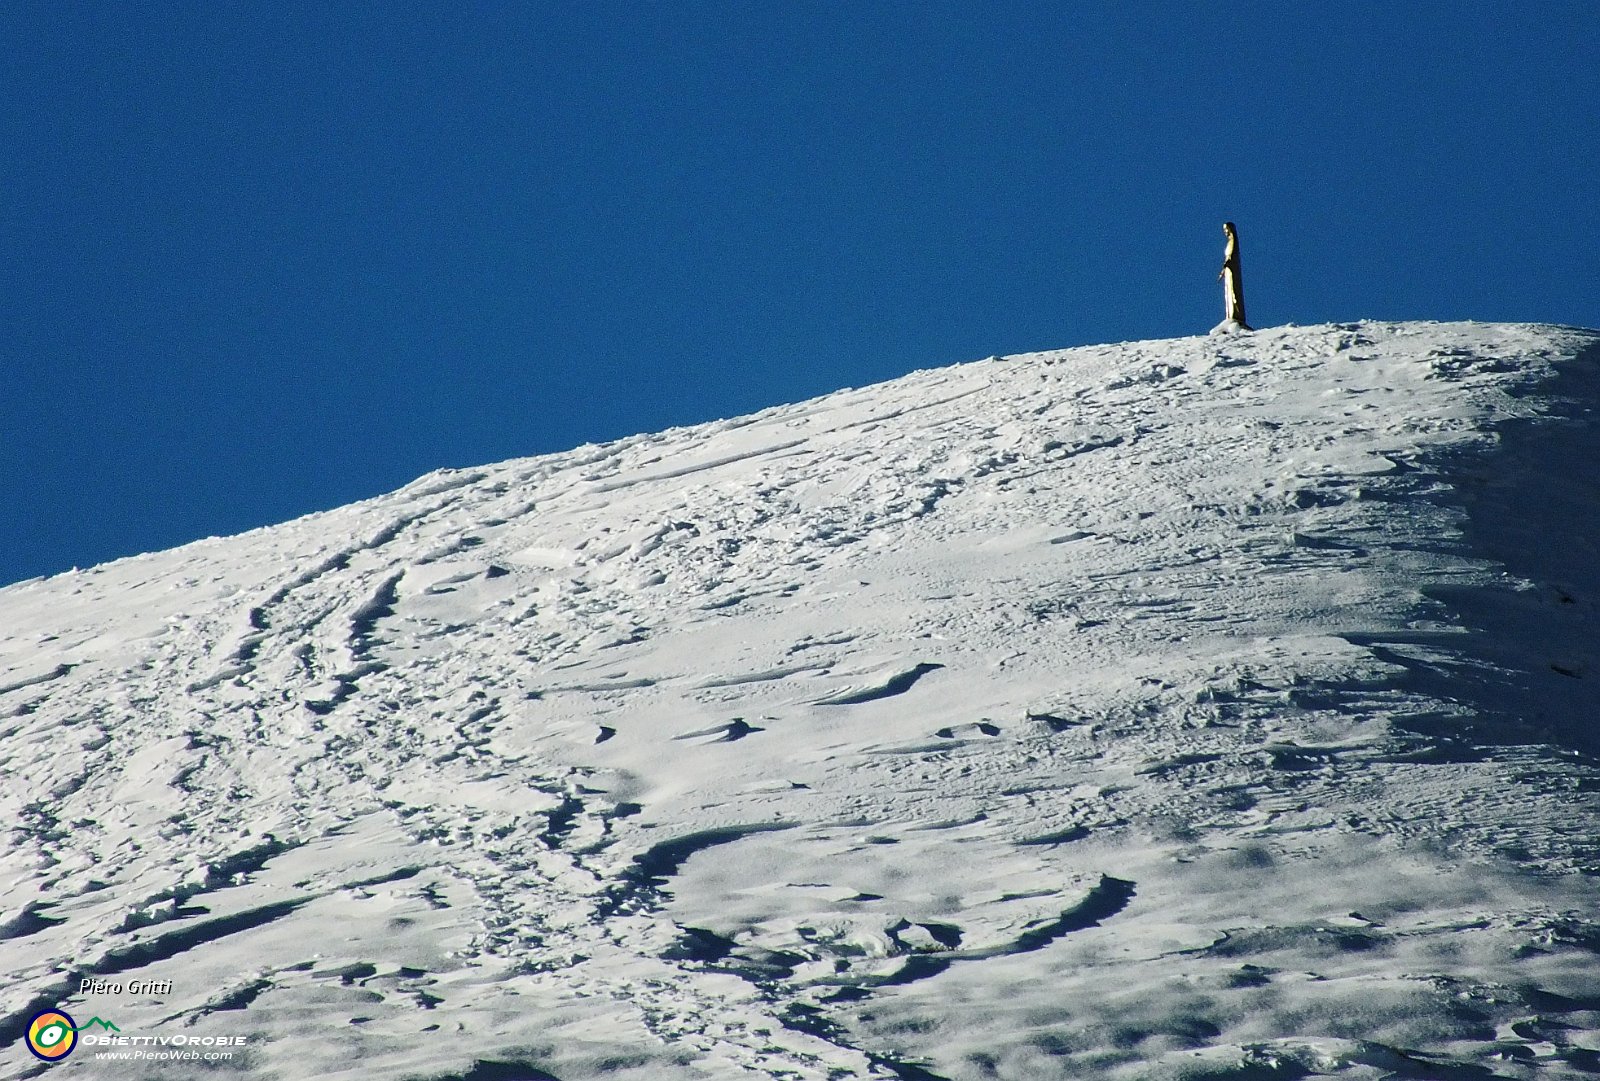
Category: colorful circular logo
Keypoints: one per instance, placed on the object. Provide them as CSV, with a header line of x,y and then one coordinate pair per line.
x,y
52,1035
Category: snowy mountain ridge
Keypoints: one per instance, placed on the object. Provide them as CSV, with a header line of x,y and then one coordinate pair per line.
x,y
1213,707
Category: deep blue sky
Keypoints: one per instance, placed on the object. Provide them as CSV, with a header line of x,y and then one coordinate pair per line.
x,y
258,260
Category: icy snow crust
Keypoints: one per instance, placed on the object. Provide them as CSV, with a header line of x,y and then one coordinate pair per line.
x,y
1217,708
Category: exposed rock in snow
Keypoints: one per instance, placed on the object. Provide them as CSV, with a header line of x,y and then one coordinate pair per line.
x,y
1221,707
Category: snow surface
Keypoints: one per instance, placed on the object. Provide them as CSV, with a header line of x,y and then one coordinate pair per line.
x,y
1221,707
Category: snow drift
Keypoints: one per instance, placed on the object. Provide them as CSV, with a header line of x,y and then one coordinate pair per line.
x,y
1207,708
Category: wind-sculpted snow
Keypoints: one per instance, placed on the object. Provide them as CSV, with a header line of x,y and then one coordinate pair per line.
x,y
1211,708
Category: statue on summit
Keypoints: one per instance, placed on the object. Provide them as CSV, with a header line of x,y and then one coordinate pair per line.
x,y
1233,282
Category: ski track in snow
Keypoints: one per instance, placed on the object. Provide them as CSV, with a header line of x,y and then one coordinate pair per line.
x,y
1208,708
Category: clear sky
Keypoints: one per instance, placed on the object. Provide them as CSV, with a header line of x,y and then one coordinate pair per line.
x,y
259,260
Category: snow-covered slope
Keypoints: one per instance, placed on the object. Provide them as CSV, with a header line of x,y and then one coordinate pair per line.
x,y
1217,707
